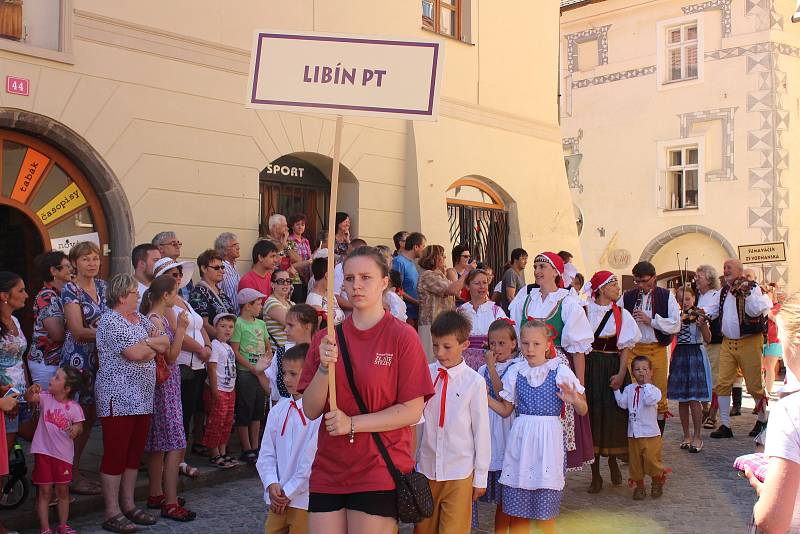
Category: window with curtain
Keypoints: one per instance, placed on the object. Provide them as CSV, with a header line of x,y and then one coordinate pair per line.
x,y
682,178
682,46
442,16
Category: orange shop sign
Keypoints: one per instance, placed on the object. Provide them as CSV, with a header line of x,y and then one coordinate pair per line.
x,y
63,203
31,172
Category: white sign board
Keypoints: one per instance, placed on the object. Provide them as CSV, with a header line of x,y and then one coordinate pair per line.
x,y
345,74
64,244
762,253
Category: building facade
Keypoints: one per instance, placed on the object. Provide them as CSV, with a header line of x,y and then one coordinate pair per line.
x,y
680,119
126,119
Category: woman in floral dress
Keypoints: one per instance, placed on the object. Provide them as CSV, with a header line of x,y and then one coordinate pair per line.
x,y
84,302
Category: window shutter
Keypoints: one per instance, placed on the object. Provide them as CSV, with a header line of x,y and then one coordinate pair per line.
x,y
661,190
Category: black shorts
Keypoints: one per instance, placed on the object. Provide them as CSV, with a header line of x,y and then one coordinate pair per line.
x,y
380,503
250,399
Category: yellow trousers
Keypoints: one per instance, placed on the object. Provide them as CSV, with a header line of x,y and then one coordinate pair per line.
x,y
659,363
713,359
644,458
744,354
452,508
292,521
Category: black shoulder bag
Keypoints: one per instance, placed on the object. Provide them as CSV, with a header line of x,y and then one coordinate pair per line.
x,y
414,499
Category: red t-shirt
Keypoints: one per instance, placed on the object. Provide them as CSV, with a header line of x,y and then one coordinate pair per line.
x,y
389,367
254,281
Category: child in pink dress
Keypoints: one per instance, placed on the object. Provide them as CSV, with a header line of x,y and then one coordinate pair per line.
x,y
60,422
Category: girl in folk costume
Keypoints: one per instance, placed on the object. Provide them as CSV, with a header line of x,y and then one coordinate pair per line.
x,y
548,301
503,353
689,380
537,390
615,334
481,312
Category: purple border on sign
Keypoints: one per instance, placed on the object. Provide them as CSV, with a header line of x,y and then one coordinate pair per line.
x,y
428,111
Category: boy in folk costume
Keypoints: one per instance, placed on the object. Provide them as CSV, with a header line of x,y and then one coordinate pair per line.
x,y
644,436
741,309
615,334
455,448
659,317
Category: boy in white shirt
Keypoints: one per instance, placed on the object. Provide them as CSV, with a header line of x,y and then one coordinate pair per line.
x,y
644,435
219,395
287,452
455,448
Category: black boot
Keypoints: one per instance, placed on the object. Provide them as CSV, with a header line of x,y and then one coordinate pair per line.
x,y
597,481
736,395
661,424
616,475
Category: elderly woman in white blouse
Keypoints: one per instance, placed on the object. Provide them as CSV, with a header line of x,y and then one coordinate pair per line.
x,y
124,391
481,312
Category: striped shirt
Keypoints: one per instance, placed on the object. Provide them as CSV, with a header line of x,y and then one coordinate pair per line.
x,y
230,284
276,328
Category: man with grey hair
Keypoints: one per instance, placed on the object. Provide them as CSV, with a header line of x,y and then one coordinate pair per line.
x,y
227,244
707,282
742,309
170,247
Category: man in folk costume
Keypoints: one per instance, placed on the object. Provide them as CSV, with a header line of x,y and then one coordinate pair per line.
x,y
615,334
743,309
659,318
571,335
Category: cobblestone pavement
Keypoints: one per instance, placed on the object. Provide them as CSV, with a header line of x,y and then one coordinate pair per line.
x,y
704,494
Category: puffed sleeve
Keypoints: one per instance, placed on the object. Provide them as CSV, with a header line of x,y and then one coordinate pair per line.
x,y
757,303
629,333
565,376
509,391
622,401
515,309
577,335
672,323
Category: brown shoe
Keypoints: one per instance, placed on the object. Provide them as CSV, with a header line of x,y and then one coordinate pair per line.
x,y
656,489
639,493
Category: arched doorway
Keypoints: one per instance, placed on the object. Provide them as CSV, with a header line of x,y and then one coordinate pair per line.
x,y
478,218
300,183
45,201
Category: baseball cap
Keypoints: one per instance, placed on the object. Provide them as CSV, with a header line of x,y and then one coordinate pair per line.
x,y
249,294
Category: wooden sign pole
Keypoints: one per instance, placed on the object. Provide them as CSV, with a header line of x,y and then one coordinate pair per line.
x,y
337,150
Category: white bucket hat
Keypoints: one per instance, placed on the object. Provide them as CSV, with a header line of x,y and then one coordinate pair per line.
x,y
165,264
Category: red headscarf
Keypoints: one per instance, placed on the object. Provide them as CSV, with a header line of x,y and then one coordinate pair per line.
x,y
555,262
599,280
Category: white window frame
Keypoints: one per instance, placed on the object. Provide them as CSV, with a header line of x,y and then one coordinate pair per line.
x,y
663,47
664,168
64,54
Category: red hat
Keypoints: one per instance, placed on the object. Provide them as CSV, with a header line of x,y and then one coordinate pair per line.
x,y
553,259
601,279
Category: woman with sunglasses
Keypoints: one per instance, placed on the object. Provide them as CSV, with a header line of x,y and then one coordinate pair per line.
x,y
461,260
195,351
274,313
206,298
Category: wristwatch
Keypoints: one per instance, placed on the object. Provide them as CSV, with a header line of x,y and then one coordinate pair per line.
x,y
147,342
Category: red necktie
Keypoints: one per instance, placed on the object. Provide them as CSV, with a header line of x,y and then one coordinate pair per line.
x,y
288,412
444,377
636,396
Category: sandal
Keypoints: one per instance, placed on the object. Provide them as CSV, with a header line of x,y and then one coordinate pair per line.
x,y
694,448
231,460
119,523
188,470
140,517
686,444
221,462
710,423
86,487
177,512
65,529
154,502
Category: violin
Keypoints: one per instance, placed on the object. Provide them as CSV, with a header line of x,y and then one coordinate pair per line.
x,y
741,287
691,315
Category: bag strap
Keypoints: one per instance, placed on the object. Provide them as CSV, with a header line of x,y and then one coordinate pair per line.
x,y
348,368
603,323
274,341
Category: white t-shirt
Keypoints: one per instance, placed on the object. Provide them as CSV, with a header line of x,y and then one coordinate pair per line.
x,y
783,441
397,305
222,354
317,300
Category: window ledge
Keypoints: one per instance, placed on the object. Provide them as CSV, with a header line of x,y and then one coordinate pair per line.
x,y
450,37
692,79
35,51
673,210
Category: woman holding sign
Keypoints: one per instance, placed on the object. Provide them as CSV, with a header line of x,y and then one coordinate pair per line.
x,y
391,374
